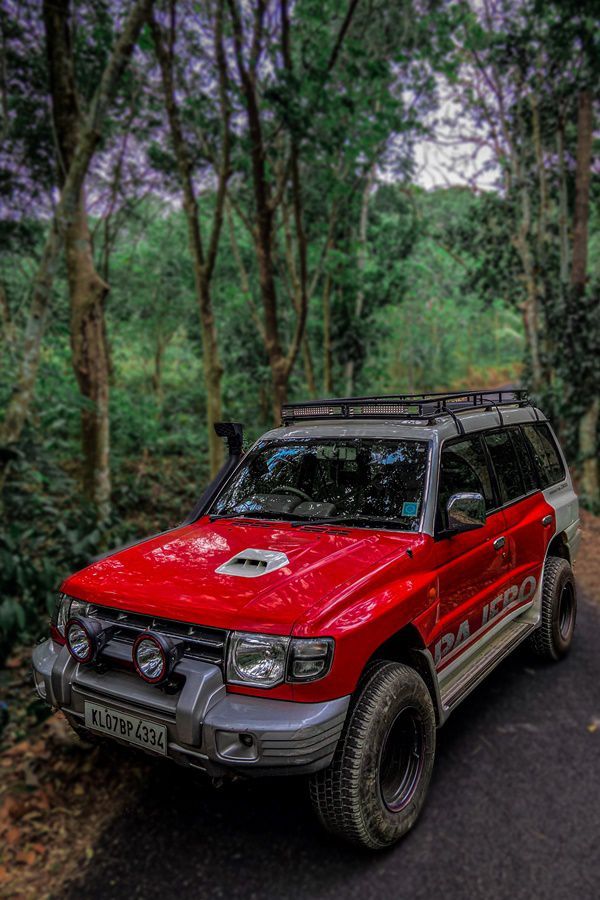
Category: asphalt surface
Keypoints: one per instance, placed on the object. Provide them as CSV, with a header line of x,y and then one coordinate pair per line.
x,y
513,811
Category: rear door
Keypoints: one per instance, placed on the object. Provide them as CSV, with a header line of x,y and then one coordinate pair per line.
x,y
472,568
524,511
559,506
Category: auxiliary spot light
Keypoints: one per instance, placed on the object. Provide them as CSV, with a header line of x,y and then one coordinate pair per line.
x,y
86,638
154,656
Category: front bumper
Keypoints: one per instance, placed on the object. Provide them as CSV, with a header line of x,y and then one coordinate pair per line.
x,y
203,721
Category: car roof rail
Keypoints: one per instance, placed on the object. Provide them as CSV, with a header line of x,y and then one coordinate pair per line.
x,y
416,409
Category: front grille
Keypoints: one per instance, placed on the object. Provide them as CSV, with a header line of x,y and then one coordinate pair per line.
x,y
206,644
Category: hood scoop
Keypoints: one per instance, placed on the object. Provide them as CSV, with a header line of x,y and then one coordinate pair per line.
x,y
252,563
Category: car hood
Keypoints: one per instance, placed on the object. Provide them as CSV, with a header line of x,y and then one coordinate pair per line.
x,y
173,575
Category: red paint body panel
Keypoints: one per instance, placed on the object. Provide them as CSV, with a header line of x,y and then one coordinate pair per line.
x,y
359,586
356,585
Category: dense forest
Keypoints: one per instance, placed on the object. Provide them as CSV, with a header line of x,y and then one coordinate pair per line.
x,y
210,206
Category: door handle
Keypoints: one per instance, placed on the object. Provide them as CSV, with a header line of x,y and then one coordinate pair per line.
x,y
547,520
499,543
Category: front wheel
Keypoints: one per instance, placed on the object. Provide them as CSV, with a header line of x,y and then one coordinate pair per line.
x,y
375,788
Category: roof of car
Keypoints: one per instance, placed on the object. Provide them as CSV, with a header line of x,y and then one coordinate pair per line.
x,y
443,427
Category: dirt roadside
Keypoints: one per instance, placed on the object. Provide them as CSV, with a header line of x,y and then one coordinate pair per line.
x,y
58,794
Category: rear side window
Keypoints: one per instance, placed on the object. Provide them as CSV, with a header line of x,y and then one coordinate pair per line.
x,y
506,465
464,467
545,453
528,470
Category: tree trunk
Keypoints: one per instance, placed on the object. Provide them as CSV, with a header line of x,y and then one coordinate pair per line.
x,y
203,263
588,452
530,303
213,373
563,206
19,404
90,360
87,289
585,127
361,264
588,425
327,357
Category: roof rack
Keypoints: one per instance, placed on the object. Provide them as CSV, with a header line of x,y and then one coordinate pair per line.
x,y
413,408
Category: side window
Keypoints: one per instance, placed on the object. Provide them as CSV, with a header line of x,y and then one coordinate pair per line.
x,y
506,465
528,470
546,455
463,467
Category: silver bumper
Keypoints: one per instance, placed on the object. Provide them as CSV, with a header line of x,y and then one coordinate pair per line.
x,y
203,721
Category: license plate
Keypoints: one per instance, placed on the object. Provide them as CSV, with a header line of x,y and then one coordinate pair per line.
x,y
127,728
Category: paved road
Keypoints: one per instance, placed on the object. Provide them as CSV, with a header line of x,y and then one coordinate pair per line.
x,y
513,811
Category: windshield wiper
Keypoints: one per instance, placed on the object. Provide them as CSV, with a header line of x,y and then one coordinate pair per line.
x,y
258,514
347,520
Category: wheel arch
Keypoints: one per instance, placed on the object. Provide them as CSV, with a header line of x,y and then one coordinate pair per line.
x,y
407,646
559,546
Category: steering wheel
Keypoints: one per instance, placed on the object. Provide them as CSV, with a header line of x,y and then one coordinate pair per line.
x,y
290,489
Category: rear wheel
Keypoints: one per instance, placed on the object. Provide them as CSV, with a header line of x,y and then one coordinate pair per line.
x,y
552,639
375,788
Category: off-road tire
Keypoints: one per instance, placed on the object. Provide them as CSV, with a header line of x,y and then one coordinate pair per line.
x,y
552,639
348,796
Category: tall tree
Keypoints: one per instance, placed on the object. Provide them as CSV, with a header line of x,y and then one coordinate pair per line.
x,y
67,212
203,257
87,290
529,82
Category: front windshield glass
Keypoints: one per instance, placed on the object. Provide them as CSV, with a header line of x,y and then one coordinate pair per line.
x,y
354,480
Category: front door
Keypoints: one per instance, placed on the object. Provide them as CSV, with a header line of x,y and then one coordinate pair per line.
x,y
472,567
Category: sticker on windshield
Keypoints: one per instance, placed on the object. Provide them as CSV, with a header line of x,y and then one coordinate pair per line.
x,y
410,509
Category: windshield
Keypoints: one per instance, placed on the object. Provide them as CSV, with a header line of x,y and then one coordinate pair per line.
x,y
354,480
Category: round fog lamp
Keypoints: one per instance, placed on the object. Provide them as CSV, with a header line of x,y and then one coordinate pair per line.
x,y
154,656
86,638
79,641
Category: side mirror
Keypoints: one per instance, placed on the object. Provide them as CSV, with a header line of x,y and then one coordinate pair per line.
x,y
465,512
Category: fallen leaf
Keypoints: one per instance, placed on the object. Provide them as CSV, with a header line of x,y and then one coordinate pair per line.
x,y
14,662
19,749
79,790
13,836
41,800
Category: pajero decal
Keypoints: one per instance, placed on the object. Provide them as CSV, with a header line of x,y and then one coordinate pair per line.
x,y
511,597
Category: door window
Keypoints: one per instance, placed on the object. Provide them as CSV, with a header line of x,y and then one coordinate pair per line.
x,y
546,455
506,465
463,468
528,470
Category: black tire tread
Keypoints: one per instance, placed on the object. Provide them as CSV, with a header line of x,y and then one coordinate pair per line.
x,y
333,791
542,640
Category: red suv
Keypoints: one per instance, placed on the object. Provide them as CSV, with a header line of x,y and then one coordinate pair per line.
x,y
336,592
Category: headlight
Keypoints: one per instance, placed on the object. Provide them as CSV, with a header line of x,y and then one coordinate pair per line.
x,y
67,608
262,660
256,659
